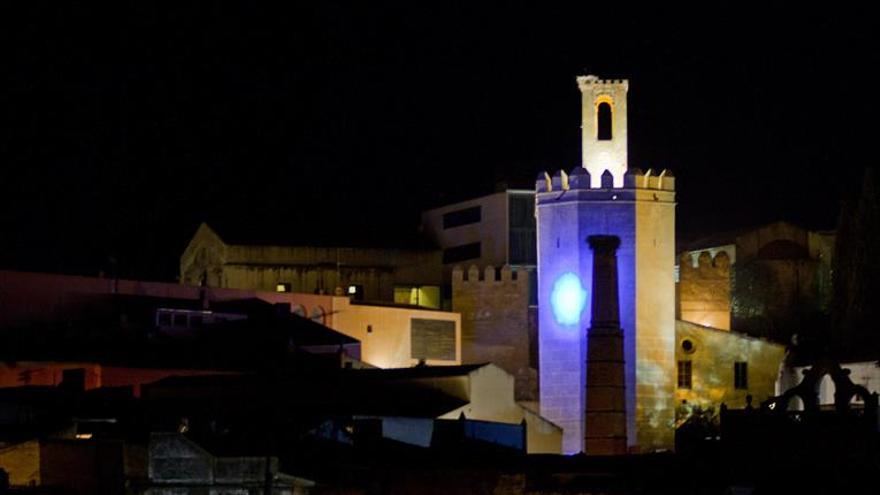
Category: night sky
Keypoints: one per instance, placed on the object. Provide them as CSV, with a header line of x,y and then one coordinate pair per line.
x,y
125,124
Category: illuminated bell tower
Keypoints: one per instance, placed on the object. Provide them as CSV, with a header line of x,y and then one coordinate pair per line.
x,y
603,127
604,197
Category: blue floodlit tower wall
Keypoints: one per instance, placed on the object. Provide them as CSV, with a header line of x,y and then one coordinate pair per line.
x,y
605,197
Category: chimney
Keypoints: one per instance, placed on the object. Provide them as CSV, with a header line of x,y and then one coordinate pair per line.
x,y
605,418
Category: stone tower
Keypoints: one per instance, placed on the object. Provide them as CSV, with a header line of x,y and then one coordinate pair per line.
x,y
603,127
604,197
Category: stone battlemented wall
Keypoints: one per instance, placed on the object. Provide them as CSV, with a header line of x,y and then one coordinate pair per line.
x,y
704,289
493,303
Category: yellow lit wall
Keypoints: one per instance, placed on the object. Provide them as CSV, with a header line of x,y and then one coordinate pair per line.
x,y
384,331
704,289
22,462
490,392
712,366
655,314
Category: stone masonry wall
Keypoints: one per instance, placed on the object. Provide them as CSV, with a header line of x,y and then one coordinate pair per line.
x,y
494,307
704,290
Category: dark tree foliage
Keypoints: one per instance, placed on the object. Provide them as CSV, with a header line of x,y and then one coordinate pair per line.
x,y
856,277
761,307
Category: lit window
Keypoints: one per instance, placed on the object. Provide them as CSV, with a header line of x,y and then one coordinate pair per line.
x,y
282,287
426,296
356,292
740,375
684,374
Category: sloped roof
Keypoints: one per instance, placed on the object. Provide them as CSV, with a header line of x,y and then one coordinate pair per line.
x,y
317,393
353,232
113,329
416,372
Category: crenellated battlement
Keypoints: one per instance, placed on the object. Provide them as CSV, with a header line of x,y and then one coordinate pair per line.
x,y
579,179
591,81
706,265
489,275
704,288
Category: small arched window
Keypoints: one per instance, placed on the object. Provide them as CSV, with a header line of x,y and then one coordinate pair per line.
x,y
603,133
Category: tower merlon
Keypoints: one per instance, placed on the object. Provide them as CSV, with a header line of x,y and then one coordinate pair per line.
x,y
543,183
560,181
590,81
489,273
667,180
580,178
634,178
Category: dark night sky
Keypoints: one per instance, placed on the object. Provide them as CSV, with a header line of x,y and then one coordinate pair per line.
x,y
123,124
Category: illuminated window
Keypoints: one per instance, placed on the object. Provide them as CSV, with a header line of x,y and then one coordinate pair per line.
x,y
684,374
740,375
356,292
426,296
604,122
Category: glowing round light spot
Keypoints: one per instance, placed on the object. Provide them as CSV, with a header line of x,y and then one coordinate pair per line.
x,y
568,299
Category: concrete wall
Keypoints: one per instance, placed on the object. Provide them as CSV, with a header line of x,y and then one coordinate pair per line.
x,y
490,391
490,231
385,331
712,366
495,322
